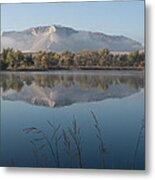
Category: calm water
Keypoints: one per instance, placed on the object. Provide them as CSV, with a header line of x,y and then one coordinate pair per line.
x,y
73,119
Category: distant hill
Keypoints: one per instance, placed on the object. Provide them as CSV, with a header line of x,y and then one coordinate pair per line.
x,y
59,38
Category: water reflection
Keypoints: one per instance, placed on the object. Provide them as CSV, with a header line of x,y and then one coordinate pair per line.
x,y
96,134
57,90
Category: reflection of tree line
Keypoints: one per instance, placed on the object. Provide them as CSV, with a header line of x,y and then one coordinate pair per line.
x,y
17,81
71,142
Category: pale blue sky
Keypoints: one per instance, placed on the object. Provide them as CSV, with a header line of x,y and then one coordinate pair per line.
x,y
119,18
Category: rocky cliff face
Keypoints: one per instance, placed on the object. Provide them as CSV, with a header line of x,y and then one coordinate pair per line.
x,y
58,38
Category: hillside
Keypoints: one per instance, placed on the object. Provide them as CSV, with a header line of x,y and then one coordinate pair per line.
x,y
59,38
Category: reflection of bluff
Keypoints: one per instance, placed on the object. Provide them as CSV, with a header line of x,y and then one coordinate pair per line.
x,y
62,96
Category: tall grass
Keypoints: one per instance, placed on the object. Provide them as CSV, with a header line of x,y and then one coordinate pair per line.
x,y
44,140
75,135
71,138
72,143
67,144
99,135
140,135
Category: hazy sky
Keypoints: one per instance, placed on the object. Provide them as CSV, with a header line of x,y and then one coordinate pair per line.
x,y
119,18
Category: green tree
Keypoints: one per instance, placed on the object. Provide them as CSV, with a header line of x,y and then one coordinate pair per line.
x,y
37,60
67,58
10,60
44,60
4,63
103,57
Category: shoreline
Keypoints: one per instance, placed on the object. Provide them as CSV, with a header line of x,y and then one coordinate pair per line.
x,y
76,69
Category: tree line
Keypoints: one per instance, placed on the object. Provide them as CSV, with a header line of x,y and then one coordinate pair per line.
x,y
103,58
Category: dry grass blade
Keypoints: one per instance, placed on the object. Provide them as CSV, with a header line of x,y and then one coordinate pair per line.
x,y
67,145
50,124
38,139
102,149
32,129
55,132
74,125
44,137
35,152
42,146
138,142
76,139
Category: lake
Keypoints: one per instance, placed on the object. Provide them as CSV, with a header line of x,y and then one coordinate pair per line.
x,y
72,119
